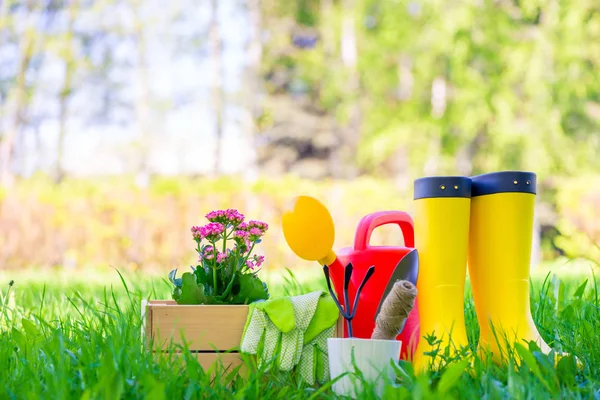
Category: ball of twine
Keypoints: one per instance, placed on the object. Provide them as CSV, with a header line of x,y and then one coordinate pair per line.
x,y
394,310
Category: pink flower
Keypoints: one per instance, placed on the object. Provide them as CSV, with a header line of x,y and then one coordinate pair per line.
x,y
263,226
241,241
197,233
212,231
226,217
208,253
259,260
255,231
234,217
243,226
216,216
255,234
240,235
249,264
221,257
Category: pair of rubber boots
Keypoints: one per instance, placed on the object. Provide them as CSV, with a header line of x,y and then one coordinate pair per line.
x,y
485,222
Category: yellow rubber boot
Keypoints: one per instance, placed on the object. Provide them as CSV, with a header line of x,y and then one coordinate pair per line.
x,y
501,233
441,221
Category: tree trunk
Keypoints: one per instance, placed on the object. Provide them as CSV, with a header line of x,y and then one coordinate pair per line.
x,y
327,31
350,135
217,90
143,99
253,91
17,102
328,40
65,93
405,78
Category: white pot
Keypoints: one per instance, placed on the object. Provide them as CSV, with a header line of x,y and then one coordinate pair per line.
x,y
371,356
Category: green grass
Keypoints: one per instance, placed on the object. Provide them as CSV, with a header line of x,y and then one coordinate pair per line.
x,y
78,335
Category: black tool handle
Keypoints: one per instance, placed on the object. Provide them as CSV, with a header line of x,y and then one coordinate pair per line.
x,y
347,277
331,292
370,273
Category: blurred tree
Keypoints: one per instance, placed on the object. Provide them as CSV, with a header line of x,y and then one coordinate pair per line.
x,y
349,110
216,51
392,88
24,31
253,90
142,103
70,63
449,87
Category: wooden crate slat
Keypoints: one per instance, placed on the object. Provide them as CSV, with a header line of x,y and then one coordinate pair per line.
x,y
205,327
164,302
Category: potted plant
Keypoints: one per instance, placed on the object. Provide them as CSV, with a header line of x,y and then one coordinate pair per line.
x,y
210,303
369,359
224,275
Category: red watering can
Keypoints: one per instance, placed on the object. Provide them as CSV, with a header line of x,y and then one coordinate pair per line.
x,y
391,263
309,231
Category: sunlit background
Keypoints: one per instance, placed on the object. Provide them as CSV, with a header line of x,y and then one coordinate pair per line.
x,y
123,122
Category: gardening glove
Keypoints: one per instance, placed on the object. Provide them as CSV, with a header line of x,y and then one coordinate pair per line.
x,y
292,342
314,360
287,324
266,322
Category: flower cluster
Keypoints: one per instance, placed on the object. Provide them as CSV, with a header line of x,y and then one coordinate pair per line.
x,y
208,253
210,232
263,226
255,262
221,257
229,224
242,240
197,233
226,217
225,274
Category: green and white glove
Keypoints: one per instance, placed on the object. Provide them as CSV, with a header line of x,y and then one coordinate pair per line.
x,y
292,342
298,328
267,330
314,360
314,363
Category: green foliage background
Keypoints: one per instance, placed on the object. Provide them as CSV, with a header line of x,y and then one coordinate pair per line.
x,y
520,81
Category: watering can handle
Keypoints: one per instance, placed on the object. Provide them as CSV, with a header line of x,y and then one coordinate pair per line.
x,y
374,220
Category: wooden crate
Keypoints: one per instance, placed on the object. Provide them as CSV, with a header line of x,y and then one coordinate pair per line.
x,y
212,332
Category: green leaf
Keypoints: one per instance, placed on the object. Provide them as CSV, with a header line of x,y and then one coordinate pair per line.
x,y
227,289
203,275
157,392
567,370
251,290
530,361
191,292
30,329
393,391
452,375
19,338
581,289
547,366
175,281
559,292
176,294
